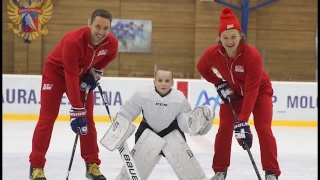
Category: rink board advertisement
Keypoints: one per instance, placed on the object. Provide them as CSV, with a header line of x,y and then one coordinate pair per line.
x,y
294,103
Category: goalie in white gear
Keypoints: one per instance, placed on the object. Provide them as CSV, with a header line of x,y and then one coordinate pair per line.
x,y
167,115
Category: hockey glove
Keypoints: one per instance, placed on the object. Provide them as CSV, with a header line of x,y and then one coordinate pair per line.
x,y
91,79
88,80
224,91
243,134
78,120
97,74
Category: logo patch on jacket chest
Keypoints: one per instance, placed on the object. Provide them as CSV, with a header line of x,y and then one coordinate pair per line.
x,y
102,52
238,69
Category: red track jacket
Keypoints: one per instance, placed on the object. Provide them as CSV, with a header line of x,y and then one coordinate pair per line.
x,y
72,64
245,74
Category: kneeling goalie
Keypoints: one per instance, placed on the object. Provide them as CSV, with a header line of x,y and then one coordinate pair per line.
x,y
167,115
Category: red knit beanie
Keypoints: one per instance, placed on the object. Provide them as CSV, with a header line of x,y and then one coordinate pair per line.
x,y
228,21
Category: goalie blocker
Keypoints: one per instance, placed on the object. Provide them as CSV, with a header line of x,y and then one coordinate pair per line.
x,y
119,131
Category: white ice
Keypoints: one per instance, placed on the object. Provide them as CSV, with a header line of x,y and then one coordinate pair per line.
x,y
297,154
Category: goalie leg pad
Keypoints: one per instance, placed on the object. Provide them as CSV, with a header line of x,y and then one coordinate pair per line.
x,y
181,158
119,131
146,154
200,121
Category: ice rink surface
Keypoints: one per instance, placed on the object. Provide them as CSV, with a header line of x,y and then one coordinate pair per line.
x,y
297,154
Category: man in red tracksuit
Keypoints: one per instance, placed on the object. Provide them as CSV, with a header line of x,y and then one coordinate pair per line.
x,y
245,84
70,68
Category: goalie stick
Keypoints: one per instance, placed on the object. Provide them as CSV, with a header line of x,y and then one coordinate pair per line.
x,y
244,143
124,151
76,139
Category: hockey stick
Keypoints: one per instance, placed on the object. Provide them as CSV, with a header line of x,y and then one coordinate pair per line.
x,y
125,154
76,139
245,144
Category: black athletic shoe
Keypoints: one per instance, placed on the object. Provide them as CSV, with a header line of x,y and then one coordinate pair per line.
x,y
93,172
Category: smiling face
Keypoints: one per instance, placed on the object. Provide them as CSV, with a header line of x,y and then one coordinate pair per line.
x,y
100,28
163,81
230,40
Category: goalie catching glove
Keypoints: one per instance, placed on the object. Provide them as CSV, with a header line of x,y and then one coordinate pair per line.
x,y
200,120
119,131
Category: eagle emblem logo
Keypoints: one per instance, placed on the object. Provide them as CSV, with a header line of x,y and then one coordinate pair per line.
x,y
29,17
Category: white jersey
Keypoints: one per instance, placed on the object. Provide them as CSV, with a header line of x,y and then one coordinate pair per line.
x,y
159,112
